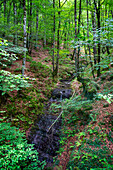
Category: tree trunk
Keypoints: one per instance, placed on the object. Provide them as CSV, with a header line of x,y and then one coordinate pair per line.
x,y
94,36
4,17
65,36
37,27
78,69
24,59
75,18
30,39
98,25
91,63
53,38
58,41
15,22
112,13
28,34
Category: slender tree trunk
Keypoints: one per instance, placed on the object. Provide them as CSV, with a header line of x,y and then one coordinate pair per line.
x,y
15,22
112,13
24,59
78,69
28,34
4,16
98,24
58,41
75,52
91,63
98,19
30,50
68,36
37,27
94,35
65,35
53,38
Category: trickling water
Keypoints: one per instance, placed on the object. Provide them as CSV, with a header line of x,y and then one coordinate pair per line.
x,y
47,142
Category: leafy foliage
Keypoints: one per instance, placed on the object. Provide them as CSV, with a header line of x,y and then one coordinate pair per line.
x,y
87,157
10,82
5,58
15,153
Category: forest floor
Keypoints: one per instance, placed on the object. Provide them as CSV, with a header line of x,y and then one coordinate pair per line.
x,y
104,118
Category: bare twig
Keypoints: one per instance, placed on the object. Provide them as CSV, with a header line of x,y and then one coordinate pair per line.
x,y
58,115
55,121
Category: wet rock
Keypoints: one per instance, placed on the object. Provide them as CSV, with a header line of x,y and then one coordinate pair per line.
x,y
46,143
61,93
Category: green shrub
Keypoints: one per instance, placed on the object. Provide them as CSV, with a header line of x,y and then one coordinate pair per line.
x,y
87,158
10,82
15,153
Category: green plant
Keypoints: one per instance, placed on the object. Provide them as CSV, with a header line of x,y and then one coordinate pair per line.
x,y
10,82
15,153
87,158
11,48
5,57
108,97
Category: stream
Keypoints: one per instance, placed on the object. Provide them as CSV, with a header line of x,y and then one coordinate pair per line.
x,y
47,142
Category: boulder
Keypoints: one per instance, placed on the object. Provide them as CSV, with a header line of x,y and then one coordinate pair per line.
x,y
61,93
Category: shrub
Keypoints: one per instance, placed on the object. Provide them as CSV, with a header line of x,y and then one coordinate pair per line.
x,y
15,153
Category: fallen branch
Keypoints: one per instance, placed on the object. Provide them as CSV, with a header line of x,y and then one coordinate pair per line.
x,y
55,121
58,116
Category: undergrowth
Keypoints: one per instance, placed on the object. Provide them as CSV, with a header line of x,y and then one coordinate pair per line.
x,y
15,153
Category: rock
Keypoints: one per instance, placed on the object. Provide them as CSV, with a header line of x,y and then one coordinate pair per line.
x,y
46,143
61,93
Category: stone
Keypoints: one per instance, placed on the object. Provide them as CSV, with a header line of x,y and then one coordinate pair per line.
x,y
46,143
61,93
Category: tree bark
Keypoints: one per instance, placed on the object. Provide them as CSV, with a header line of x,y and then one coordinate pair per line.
x,y
78,69
75,19
30,39
58,41
98,25
53,38
4,16
37,19
15,22
91,63
24,59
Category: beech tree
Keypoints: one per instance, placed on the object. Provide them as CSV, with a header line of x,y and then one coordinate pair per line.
x,y
24,59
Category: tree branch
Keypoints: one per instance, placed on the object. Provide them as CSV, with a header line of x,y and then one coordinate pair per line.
x,y
63,3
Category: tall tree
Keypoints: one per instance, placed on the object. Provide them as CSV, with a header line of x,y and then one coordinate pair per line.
x,y
78,54
30,46
37,23
91,62
53,37
15,22
97,6
24,59
58,40
94,34
75,19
